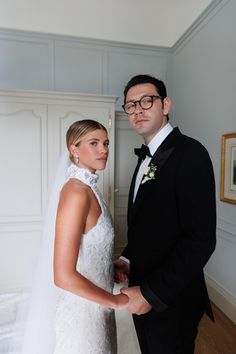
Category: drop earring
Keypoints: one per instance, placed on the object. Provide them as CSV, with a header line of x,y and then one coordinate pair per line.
x,y
76,159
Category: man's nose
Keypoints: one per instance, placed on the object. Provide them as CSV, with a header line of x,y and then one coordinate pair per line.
x,y
137,108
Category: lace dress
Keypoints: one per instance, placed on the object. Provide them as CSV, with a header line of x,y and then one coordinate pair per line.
x,y
82,326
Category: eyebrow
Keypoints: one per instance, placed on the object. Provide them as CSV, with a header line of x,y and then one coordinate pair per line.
x,y
144,95
92,139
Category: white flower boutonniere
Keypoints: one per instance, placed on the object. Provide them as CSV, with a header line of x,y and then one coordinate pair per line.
x,y
149,173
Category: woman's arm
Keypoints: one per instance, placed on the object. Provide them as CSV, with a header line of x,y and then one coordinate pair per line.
x,y
72,215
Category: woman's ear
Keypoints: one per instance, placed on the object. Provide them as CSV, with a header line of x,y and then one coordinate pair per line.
x,y
74,153
73,149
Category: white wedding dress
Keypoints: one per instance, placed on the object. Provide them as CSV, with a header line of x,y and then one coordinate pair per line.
x,y
82,326
54,321
58,321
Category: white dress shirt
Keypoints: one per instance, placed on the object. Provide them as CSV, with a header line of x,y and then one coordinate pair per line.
x,y
153,146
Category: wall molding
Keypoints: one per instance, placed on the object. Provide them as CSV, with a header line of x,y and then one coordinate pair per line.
x,y
103,65
26,35
212,9
41,37
226,230
221,298
203,19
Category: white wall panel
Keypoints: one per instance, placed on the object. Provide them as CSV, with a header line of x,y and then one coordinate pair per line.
x,y
78,67
22,135
18,254
26,62
33,126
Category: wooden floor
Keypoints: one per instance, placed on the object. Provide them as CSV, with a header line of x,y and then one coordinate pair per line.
x,y
217,337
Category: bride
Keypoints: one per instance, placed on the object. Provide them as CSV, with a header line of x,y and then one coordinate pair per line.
x,y
72,305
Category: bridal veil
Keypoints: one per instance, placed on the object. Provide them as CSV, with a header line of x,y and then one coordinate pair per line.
x,y
38,333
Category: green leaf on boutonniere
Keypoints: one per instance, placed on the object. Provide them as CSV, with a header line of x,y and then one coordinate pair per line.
x,y
150,171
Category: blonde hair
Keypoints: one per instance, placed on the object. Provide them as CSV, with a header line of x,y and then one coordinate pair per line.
x,y
78,130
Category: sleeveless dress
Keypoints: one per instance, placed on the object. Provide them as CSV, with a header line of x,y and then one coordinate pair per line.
x,y
82,326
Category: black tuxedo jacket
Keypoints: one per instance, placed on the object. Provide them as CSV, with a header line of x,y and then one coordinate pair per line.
x,y
172,226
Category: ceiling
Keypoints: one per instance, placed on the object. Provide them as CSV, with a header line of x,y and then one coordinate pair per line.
x,y
150,22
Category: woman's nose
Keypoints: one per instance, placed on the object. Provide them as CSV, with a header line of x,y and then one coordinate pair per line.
x,y
104,149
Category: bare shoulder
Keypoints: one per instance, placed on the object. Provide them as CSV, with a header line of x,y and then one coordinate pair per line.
x,y
75,192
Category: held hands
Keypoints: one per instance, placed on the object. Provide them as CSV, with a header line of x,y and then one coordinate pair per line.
x,y
121,301
137,303
121,271
134,300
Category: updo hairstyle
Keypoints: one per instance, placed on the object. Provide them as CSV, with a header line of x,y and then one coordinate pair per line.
x,y
78,130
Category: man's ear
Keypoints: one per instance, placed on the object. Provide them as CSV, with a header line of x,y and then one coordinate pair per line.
x,y
166,105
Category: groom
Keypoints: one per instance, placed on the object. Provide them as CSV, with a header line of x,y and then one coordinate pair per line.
x,y
171,225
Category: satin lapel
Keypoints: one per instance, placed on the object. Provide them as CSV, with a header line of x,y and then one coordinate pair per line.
x,y
159,159
164,151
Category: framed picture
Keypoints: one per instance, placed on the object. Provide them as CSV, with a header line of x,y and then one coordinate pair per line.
x,y
228,168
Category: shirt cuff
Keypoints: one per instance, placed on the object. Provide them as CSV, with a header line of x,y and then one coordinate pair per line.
x,y
125,259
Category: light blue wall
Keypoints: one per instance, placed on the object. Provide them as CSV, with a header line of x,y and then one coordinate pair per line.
x,y
204,95
201,79
49,62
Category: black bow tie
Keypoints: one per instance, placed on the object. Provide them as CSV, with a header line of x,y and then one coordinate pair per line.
x,y
142,152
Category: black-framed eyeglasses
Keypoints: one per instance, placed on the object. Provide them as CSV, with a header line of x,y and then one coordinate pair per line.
x,y
146,102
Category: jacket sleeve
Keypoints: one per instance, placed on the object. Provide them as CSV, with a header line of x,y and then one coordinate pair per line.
x,y
195,195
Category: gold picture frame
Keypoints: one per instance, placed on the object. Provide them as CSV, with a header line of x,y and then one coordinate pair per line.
x,y
228,168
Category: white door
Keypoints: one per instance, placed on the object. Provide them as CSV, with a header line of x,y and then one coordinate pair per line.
x,y
32,136
125,162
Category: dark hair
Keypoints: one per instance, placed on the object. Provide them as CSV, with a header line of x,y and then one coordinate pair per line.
x,y
147,79
79,129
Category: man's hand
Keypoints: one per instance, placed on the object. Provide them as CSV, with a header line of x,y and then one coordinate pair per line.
x,y
137,303
121,271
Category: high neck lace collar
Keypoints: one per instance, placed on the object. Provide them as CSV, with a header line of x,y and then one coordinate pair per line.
x,y
82,174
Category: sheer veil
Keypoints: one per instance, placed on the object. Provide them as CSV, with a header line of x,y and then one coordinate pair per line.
x,y
39,335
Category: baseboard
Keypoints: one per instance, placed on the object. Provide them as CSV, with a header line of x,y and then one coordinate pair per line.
x,y
221,298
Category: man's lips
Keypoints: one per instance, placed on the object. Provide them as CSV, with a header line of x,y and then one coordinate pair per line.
x,y
140,121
